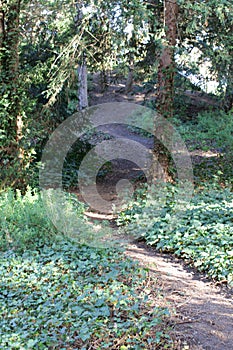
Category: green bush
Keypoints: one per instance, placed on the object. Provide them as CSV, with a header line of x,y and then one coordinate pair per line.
x,y
24,222
210,130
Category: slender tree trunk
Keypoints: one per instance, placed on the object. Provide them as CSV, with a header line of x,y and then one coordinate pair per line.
x,y
82,86
162,158
82,69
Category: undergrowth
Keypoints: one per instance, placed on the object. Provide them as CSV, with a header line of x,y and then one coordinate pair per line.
x,y
57,294
209,130
209,138
201,233
24,221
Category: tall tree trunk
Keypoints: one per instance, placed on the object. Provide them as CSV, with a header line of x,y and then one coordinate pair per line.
x,y
165,98
9,41
131,60
167,63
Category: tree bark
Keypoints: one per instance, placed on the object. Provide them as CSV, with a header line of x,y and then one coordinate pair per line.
x,y
165,97
82,69
129,82
166,67
82,86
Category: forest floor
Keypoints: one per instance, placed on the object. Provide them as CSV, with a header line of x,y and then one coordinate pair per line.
x,y
201,310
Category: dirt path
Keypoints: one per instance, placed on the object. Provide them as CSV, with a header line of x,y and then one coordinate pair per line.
x,y
119,130
202,313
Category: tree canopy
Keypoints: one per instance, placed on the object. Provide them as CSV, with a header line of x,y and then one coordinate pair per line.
x,y
43,42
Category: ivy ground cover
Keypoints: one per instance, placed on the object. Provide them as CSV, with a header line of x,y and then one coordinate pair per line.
x,y
202,233
56,294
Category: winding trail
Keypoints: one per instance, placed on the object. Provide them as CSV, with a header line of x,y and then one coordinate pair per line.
x,y
201,311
